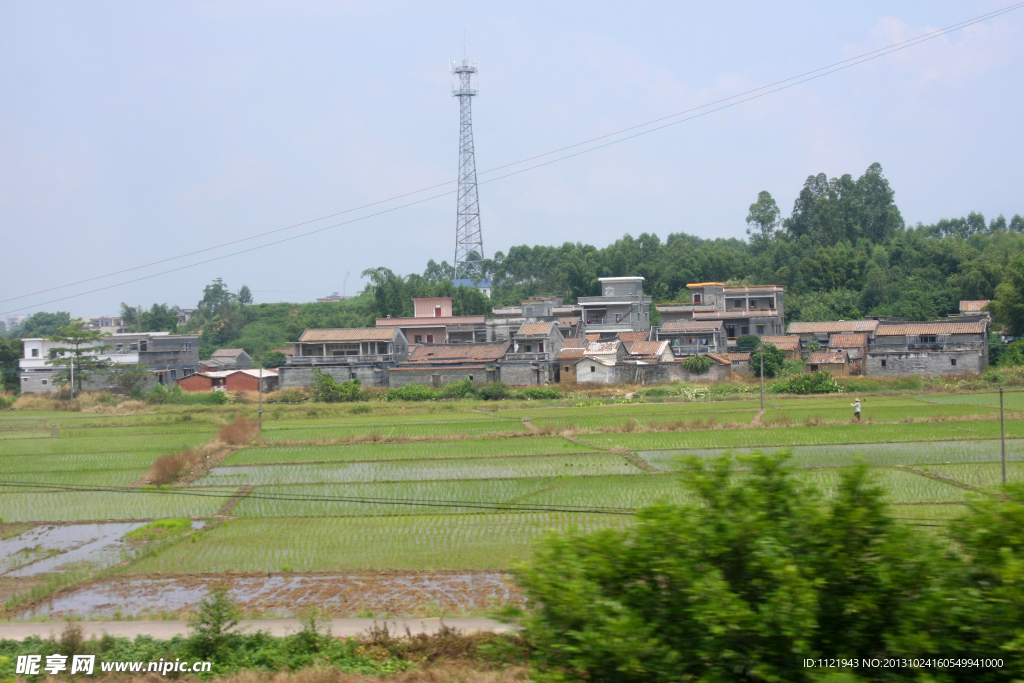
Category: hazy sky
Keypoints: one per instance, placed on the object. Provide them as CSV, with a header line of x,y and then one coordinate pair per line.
x,y
132,132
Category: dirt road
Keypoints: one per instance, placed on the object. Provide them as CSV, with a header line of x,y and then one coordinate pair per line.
x,y
277,627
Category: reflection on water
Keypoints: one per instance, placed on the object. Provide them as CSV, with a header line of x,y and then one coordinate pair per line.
x,y
57,548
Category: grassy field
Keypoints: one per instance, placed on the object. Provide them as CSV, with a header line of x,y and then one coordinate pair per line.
x,y
470,486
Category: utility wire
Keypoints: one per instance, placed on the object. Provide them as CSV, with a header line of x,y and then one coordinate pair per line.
x,y
741,97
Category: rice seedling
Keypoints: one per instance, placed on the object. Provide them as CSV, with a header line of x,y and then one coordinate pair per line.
x,y
54,506
417,470
899,486
982,475
420,542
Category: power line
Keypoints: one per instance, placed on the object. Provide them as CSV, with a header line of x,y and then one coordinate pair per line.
x,y
730,101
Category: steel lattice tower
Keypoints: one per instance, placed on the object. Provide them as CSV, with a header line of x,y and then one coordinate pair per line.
x,y
469,239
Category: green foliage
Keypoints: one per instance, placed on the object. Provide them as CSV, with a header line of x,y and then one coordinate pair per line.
x,y
274,359
411,392
245,296
326,390
808,383
42,324
129,378
535,393
698,365
174,395
1008,305
747,343
212,627
10,354
461,389
1013,354
79,351
160,528
495,391
763,572
774,360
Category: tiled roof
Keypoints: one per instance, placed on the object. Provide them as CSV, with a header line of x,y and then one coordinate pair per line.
x,y
847,340
348,334
633,336
602,348
430,322
455,353
827,357
780,338
830,327
931,328
226,353
738,357
571,354
218,374
648,348
593,337
575,343
973,306
530,329
692,326
721,360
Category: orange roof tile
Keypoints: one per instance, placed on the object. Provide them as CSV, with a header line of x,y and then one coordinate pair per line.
x,y
532,329
828,327
458,353
575,343
633,336
848,340
348,334
827,357
931,328
648,348
973,306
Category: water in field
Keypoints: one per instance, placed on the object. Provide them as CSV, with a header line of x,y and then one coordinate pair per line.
x,y
286,595
59,548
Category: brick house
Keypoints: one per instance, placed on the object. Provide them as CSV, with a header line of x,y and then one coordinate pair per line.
x,y
931,348
836,362
856,347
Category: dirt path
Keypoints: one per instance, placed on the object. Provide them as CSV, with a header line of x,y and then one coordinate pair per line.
x,y
756,422
278,627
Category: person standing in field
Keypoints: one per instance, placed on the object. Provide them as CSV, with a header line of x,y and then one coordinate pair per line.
x,y
856,409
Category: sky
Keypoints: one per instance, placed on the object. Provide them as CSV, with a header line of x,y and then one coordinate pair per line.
x,y
133,133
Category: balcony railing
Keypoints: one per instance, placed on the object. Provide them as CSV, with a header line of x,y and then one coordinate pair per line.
x,y
340,360
528,357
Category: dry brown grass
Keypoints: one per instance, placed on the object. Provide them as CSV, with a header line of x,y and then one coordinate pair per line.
x,y
171,467
238,432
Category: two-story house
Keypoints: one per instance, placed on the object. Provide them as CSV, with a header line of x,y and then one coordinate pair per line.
x,y
434,323
363,353
743,310
931,348
622,307
533,358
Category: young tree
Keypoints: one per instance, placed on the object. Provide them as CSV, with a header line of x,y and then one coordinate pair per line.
x,y
130,377
10,354
773,360
80,350
216,296
245,295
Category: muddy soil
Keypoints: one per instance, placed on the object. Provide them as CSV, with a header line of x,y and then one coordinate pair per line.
x,y
423,594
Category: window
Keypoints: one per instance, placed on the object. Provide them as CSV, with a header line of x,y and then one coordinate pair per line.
x,y
529,348
174,374
744,330
471,378
417,338
189,372
760,329
143,345
44,381
430,339
952,361
753,303
437,311
814,368
592,369
618,317
540,347
928,339
35,353
351,375
186,346
883,362
567,368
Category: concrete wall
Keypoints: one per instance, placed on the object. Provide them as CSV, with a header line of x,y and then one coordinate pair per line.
x,y
241,381
601,374
675,372
526,374
42,382
368,375
925,363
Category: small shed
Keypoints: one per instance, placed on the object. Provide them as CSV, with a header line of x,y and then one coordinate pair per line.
x,y
249,380
567,359
856,347
596,371
740,362
789,344
232,359
835,362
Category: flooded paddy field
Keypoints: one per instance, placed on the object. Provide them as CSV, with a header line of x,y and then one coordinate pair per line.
x,y
285,595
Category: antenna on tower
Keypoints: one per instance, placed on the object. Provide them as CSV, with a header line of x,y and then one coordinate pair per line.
x,y
469,241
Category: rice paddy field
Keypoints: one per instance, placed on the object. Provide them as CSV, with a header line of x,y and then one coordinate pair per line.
x,y
463,486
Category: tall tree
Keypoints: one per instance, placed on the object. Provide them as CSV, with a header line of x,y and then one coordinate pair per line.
x,y
79,352
245,295
10,354
763,220
216,296
43,324
1008,305
159,318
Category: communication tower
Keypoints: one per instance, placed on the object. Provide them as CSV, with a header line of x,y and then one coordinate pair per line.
x,y
469,240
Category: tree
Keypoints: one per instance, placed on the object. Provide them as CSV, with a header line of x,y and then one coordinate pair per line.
x,y
130,316
216,296
10,354
80,352
747,343
130,378
43,324
159,318
245,296
213,625
763,220
1008,306
274,359
773,361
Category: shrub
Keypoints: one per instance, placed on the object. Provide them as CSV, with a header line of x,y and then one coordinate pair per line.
x,y
173,395
461,389
238,432
326,390
217,617
289,395
773,361
411,392
698,365
747,343
809,383
495,391
536,393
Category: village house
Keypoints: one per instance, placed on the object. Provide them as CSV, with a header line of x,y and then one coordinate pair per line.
x,y
975,308
599,362
434,323
835,362
230,380
508,319
533,358
740,361
930,348
855,346
787,343
363,353
439,364
820,331
622,307
567,359
166,356
754,309
227,359
688,337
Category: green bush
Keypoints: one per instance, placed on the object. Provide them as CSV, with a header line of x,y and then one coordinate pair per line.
x,y
774,360
174,395
411,392
747,343
761,573
495,391
809,383
536,393
326,390
698,365
289,395
461,389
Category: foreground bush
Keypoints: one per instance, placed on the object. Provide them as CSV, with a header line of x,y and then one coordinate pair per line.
x,y
763,574
326,390
809,383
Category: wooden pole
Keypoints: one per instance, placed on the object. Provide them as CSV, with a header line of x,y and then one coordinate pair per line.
x,y
762,376
1002,432
259,413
